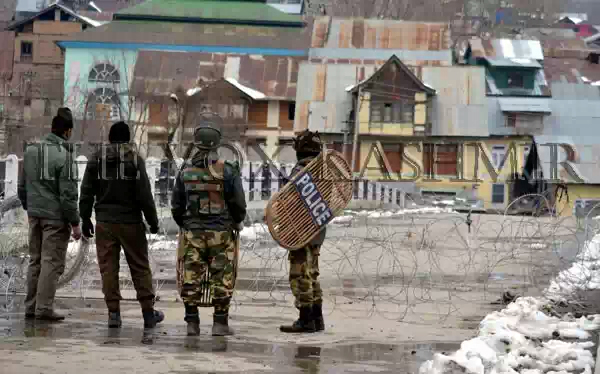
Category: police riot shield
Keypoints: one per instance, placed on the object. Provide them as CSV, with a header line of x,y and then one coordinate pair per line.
x,y
310,200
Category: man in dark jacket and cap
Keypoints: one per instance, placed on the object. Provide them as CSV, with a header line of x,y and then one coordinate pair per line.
x,y
116,181
304,262
50,198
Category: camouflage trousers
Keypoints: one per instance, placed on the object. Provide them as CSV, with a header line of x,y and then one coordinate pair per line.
x,y
214,250
304,274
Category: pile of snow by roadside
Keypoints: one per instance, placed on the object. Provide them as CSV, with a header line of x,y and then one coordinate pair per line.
x,y
522,339
583,275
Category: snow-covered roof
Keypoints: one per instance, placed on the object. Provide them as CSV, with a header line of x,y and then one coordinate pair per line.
x,y
54,5
256,95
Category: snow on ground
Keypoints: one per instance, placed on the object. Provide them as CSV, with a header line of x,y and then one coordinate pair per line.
x,y
254,232
523,339
583,275
402,212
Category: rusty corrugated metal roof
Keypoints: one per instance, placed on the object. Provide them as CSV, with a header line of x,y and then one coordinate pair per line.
x,y
571,70
360,33
507,48
161,72
7,48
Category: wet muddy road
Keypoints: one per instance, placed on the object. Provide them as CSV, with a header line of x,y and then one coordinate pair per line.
x,y
83,344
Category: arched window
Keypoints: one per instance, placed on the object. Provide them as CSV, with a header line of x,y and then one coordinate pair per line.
x,y
103,103
104,73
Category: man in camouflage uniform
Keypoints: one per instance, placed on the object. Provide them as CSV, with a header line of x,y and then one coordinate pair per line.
x,y
208,203
304,262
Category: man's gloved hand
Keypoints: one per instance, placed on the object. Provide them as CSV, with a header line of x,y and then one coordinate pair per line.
x,y
87,229
238,226
153,229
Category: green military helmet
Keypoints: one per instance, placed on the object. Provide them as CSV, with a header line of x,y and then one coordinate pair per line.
x,y
207,135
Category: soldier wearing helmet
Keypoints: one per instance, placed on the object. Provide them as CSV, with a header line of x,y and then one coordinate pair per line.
x,y
209,206
304,262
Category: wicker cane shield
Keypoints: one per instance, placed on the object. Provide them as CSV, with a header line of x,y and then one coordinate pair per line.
x,y
310,200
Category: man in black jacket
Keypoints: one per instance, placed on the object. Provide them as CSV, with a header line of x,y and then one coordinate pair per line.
x,y
115,179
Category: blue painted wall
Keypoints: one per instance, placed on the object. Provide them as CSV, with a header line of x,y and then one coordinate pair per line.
x,y
78,64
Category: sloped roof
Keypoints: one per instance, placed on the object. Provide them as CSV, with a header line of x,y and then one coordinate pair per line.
x,y
364,34
571,70
507,48
195,34
211,11
50,8
394,60
161,72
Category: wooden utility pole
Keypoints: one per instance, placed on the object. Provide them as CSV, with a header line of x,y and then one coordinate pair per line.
x,y
356,128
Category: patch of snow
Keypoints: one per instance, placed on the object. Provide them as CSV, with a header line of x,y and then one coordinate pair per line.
x,y
193,91
585,79
350,88
520,339
428,86
342,219
434,210
256,95
255,231
93,5
90,21
583,275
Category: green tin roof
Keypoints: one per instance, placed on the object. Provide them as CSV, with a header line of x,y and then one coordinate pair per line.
x,y
249,12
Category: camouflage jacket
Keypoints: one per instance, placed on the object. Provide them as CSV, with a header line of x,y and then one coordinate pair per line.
x,y
208,198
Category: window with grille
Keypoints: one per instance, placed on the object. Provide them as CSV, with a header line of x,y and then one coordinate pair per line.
x,y
498,193
498,154
104,73
26,50
392,112
103,103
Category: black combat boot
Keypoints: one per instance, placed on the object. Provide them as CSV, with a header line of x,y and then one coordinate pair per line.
x,y
318,317
193,320
304,324
152,318
114,320
221,325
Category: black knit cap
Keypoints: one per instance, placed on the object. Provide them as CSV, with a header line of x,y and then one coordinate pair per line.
x,y
119,133
63,120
